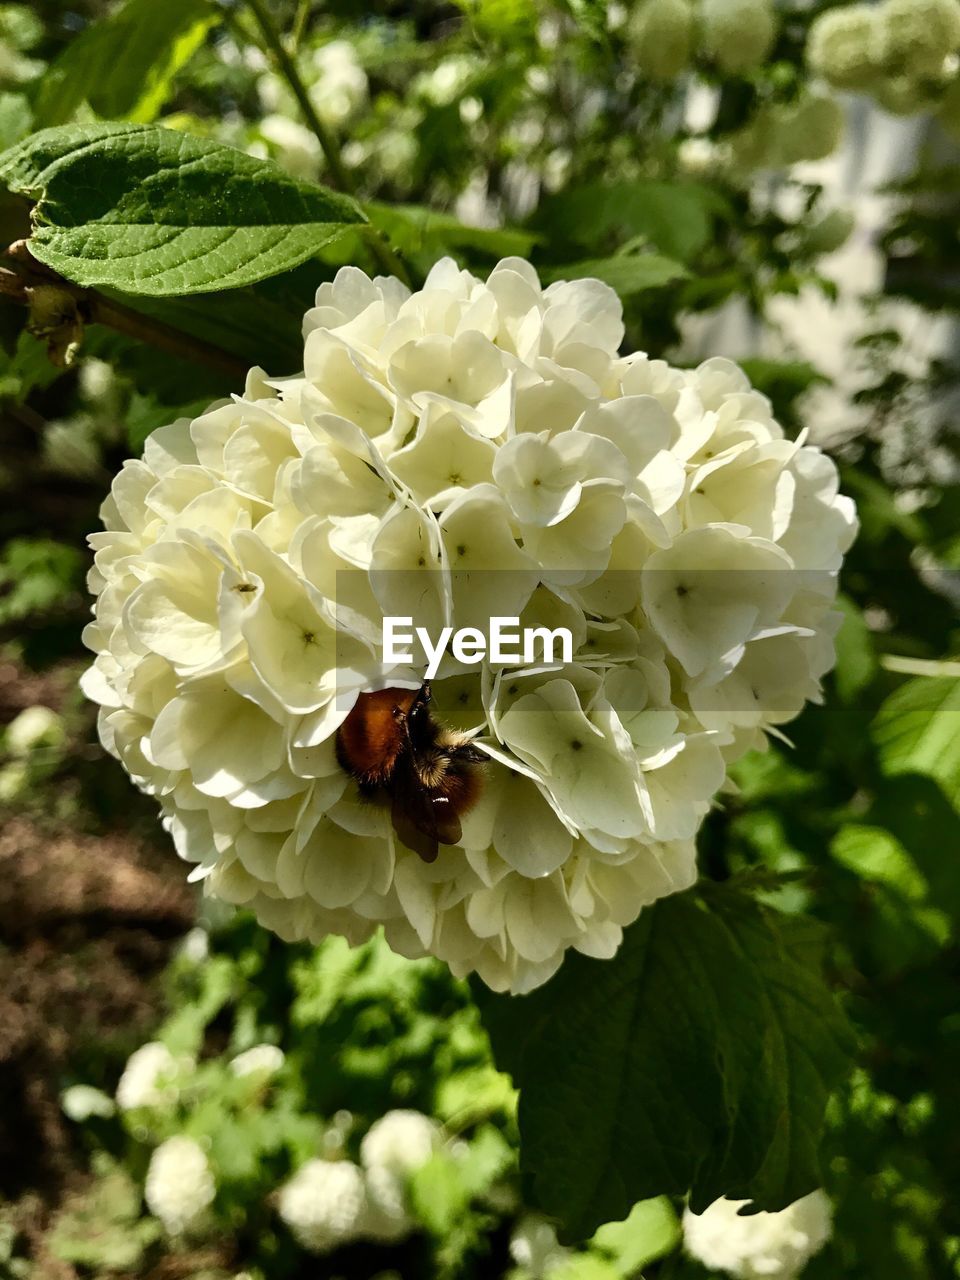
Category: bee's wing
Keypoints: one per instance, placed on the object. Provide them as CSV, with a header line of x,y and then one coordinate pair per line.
x,y
422,819
411,830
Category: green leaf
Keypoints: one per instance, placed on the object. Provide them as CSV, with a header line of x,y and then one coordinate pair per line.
x,y
152,211
917,730
676,218
488,1157
413,229
856,652
16,118
439,1194
650,1232
99,1229
38,574
255,329
903,921
700,1057
28,369
875,854
585,1266
183,1031
123,65
628,275
145,415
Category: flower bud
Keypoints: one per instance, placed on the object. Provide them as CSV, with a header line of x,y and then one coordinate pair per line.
x,y
829,233
906,96
749,1246
809,129
324,1204
149,1078
661,38
180,1185
738,34
34,727
913,38
840,46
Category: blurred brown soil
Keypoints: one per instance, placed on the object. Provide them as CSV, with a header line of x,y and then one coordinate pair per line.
x,y
87,920
21,687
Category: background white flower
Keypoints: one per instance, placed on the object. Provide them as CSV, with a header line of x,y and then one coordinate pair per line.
x,y
324,1204
477,447
261,1059
401,1141
34,727
752,1246
535,1249
394,1147
180,1184
150,1077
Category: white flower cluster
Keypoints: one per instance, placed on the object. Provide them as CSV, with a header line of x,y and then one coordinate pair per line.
x,y
338,88
34,737
535,1249
738,34
904,52
839,46
661,36
33,729
336,82
180,1185
151,1077
329,1203
476,448
324,1204
260,1060
664,35
759,1245
394,1147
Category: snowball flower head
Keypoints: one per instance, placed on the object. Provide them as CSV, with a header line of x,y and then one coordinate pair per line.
x,y
81,1102
340,87
840,46
758,1245
324,1204
34,727
534,1247
394,1147
914,37
299,150
661,38
738,34
149,1078
262,1059
180,1185
476,449
402,1141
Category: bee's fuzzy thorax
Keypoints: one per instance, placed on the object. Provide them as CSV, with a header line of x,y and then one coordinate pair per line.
x,y
397,753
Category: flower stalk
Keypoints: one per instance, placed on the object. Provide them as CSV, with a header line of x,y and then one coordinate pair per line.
x,y
60,311
324,134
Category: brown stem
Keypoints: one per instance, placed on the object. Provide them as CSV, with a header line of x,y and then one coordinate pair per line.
x,y
27,417
163,336
27,276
